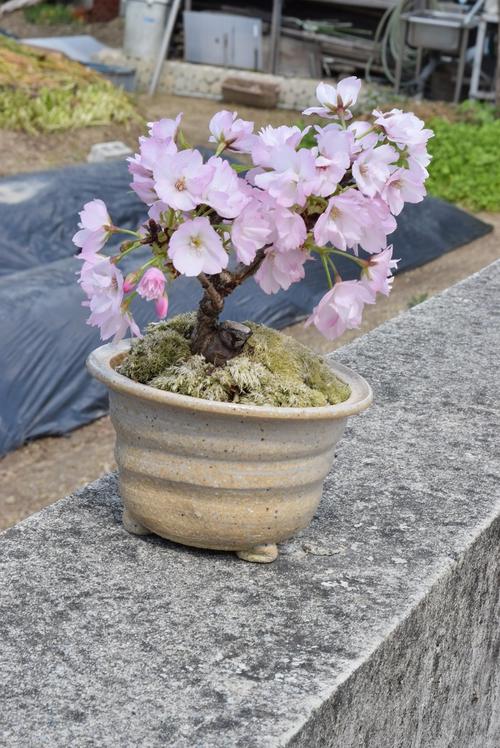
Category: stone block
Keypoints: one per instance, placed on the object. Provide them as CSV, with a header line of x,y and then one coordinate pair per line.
x,y
377,627
111,150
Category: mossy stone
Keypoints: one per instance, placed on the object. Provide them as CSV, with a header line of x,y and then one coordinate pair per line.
x,y
273,369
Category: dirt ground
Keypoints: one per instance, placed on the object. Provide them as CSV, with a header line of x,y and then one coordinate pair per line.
x,y
29,152
50,468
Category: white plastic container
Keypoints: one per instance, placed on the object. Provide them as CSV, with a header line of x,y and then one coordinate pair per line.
x,y
144,25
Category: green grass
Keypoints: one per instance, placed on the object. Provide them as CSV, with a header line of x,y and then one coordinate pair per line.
x,y
46,14
466,158
418,298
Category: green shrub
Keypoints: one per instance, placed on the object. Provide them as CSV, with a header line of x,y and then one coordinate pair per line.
x,y
46,14
466,158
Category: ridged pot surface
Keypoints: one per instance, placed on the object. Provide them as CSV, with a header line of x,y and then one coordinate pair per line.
x,y
220,475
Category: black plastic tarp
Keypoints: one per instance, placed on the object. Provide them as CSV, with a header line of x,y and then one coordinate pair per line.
x,y
44,341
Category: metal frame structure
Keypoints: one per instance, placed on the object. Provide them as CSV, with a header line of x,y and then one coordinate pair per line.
x,y
277,15
463,23
474,91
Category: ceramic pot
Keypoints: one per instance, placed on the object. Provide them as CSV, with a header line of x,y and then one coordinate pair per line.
x,y
220,475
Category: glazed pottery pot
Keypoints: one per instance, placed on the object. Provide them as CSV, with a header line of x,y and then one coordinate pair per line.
x,y
220,475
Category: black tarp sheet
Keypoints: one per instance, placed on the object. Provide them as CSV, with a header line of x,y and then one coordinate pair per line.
x,y
44,341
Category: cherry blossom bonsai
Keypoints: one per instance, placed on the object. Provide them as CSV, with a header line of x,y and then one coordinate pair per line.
x,y
312,194
293,205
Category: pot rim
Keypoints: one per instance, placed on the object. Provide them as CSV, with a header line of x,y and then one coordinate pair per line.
x,y
102,360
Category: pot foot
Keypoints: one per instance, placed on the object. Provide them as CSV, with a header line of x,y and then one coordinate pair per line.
x,y
132,526
260,554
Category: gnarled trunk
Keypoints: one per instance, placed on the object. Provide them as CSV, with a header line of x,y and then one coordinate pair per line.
x,y
221,341
217,341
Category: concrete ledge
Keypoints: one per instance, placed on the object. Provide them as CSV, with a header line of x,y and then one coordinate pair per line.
x,y
205,81
378,627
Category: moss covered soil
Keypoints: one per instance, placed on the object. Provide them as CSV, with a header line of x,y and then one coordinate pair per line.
x,y
273,369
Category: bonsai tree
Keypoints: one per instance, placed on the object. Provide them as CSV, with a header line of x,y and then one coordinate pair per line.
x,y
308,195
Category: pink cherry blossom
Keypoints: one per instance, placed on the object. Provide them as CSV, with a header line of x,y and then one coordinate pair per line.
x,y
103,284
102,281
343,221
372,168
152,284
403,128
141,165
403,186
336,100
180,179
142,181
94,227
364,135
341,308
230,132
419,159
161,306
224,190
270,138
289,229
379,223
114,325
165,129
293,176
157,211
195,247
334,146
280,269
250,231
377,276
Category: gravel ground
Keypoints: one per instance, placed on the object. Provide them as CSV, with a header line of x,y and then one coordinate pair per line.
x,y
50,468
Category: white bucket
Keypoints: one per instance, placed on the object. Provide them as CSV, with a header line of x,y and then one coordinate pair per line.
x,y
144,25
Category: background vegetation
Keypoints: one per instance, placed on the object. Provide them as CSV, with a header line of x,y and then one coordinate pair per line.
x,y
44,91
466,157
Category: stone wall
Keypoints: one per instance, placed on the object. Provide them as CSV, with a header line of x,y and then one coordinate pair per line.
x,y
376,628
205,81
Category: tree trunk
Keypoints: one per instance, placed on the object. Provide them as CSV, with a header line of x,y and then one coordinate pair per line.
x,y
218,341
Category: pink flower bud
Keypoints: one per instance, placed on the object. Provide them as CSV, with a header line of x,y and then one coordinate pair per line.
x,y
152,284
161,306
129,282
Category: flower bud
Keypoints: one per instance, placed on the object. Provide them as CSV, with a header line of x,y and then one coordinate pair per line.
x,y
130,282
161,306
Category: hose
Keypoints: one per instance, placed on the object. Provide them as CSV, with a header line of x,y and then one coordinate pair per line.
x,y
388,35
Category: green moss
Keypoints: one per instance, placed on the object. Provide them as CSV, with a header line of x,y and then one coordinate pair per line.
x,y
161,346
273,370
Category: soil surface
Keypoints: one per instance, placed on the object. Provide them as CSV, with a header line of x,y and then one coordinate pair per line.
x,y
45,470
22,152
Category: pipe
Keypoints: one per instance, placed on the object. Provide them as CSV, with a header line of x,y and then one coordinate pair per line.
x,y
165,44
275,36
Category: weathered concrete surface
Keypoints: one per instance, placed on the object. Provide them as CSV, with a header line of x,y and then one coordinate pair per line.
x,y
376,628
